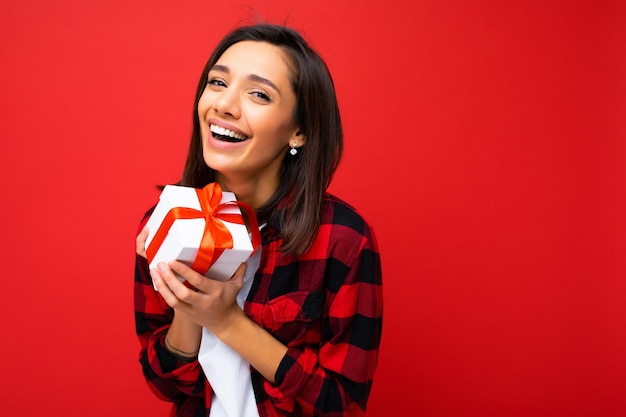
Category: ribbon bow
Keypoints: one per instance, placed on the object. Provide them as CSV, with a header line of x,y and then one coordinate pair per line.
x,y
216,238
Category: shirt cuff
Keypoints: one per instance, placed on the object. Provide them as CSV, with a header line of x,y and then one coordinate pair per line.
x,y
172,363
294,370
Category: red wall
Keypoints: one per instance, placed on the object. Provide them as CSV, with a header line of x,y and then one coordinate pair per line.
x,y
485,143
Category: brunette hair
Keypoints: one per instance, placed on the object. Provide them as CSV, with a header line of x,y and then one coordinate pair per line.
x,y
296,205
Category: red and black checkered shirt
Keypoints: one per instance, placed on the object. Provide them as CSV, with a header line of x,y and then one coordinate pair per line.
x,y
325,306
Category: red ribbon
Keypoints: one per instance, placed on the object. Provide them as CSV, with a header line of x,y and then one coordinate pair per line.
x,y
216,238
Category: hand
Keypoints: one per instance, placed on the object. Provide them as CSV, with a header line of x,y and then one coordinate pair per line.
x,y
140,244
209,303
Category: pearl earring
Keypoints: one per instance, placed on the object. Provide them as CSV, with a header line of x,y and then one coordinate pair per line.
x,y
293,150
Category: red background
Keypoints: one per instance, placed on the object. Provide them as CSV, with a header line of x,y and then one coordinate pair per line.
x,y
485,141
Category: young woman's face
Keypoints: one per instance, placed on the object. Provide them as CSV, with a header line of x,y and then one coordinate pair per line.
x,y
246,112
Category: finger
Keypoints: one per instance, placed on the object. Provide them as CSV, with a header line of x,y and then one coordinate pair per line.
x,y
174,286
140,244
166,294
193,278
240,272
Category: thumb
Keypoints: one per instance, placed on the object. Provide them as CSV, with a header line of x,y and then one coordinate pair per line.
x,y
240,272
140,242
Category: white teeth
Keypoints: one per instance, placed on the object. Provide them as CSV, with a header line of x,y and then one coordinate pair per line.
x,y
226,132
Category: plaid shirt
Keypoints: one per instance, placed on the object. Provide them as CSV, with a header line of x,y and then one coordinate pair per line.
x,y
325,306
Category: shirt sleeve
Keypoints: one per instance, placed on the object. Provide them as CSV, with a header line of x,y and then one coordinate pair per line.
x,y
167,376
336,379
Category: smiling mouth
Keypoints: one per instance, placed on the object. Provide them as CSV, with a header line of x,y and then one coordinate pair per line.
x,y
226,135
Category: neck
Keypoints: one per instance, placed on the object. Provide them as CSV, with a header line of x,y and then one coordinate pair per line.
x,y
252,191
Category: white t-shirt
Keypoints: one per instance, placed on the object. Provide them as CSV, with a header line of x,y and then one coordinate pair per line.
x,y
227,372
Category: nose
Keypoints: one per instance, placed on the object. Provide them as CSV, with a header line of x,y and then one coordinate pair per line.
x,y
227,103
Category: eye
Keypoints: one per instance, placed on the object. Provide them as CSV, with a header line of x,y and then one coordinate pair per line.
x,y
216,82
261,95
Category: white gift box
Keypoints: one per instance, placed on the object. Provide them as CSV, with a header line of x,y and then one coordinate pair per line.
x,y
184,236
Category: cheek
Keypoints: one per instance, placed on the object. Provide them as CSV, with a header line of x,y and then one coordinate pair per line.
x,y
203,104
203,108
274,126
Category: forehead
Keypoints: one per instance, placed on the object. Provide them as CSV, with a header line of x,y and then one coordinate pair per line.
x,y
258,58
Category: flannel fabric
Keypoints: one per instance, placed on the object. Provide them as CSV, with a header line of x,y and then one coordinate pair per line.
x,y
325,306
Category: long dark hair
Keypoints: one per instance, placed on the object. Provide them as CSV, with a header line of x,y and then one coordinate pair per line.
x,y
295,206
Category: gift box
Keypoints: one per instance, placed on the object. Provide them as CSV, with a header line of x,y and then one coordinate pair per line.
x,y
204,228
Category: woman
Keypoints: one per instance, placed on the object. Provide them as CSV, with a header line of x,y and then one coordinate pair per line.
x,y
303,316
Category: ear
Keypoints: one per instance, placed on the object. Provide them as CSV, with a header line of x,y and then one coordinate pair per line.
x,y
298,138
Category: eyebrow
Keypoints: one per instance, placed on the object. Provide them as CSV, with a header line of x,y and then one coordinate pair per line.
x,y
252,77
